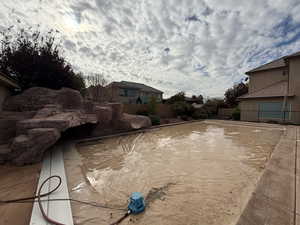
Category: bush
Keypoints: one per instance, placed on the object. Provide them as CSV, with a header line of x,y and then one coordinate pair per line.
x,y
155,120
182,108
179,97
236,115
152,105
35,59
184,117
179,108
199,114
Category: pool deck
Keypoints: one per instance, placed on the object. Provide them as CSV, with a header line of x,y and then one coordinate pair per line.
x,y
276,199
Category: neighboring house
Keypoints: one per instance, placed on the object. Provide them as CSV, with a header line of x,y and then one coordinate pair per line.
x,y
131,92
7,85
274,92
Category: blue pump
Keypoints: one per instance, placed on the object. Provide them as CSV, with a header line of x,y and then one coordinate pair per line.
x,y
137,203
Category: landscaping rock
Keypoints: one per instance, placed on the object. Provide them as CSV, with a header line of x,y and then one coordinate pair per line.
x,y
8,124
104,114
133,122
117,109
37,118
36,98
30,148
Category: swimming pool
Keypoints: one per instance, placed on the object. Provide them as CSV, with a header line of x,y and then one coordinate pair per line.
x,y
196,173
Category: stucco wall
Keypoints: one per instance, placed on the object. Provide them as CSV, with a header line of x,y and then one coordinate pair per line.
x,y
294,86
250,110
259,80
4,93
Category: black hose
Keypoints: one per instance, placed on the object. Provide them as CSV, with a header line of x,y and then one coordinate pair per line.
x,y
38,196
39,200
121,219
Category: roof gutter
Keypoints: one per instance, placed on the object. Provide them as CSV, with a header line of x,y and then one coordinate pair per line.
x,y
252,72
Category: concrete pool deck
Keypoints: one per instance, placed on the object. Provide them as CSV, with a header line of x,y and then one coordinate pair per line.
x,y
276,198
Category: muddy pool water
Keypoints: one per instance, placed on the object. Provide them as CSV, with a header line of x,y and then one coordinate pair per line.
x,y
192,174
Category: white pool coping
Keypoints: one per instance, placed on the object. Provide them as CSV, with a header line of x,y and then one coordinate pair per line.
x,y
60,211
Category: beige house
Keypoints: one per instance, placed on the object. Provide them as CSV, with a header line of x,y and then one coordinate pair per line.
x,y
132,93
274,92
6,86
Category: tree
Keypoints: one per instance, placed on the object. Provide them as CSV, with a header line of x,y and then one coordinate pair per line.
x,y
233,93
96,79
179,97
34,59
198,99
97,90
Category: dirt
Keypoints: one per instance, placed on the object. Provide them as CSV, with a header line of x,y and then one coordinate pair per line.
x,y
17,182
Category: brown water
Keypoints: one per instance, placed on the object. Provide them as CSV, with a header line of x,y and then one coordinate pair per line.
x,y
193,174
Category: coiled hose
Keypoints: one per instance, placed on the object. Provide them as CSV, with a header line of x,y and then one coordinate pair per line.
x,y
39,196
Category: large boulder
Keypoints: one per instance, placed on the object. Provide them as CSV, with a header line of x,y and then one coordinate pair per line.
x,y
61,121
36,98
30,148
134,122
36,119
8,124
39,116
117,112
104,114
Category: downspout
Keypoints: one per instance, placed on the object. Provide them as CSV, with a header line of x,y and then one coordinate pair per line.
x,y
283,109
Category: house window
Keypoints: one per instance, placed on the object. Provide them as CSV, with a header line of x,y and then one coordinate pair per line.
x,y
273,110
131,93
122,92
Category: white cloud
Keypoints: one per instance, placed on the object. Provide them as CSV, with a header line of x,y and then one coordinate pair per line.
x,y
211,43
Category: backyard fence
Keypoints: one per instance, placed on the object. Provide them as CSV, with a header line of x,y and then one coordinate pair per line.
x,y
225,113
271,116
162,110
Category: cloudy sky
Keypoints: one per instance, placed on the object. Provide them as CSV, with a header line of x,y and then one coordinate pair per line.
x,y
196,46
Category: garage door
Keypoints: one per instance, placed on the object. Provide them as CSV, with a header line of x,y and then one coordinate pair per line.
x,y
273,110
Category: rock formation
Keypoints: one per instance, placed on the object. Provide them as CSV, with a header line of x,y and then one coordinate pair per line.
x,y
33,121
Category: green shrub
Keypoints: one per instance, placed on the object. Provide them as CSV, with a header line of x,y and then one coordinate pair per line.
x,y
179,108
199,114
152,105
183,108
155,120
184,117
236,115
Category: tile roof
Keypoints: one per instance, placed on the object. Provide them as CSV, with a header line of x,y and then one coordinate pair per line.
x,y
133,85
278,63
277,89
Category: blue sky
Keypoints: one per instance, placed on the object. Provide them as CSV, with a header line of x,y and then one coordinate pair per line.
x,y
196,46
